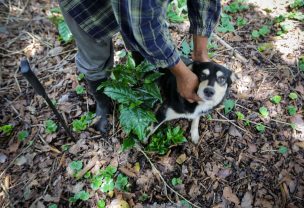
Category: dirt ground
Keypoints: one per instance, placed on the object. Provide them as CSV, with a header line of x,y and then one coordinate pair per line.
x,y
234,165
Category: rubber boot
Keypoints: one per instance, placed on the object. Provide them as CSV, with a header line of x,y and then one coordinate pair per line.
x,y
103,106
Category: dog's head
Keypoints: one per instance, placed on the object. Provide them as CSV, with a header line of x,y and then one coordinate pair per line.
x,y
214,81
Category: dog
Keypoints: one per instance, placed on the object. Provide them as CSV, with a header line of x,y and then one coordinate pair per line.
x,y
214,82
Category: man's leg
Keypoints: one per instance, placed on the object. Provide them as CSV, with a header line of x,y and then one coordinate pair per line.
x,y
94,59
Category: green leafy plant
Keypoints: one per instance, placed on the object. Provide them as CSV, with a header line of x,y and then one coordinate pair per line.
x,y
101,203
22,135
128,143
240,22
225,24
162,140
82,123
104,179
80,90
276,99
52,206
297,4
50,126
177,11
293,96
283,150
6,129
236,6
240,116
262,32
185,48
57,19
143,197
121,182
135,90
292,110
264,46
229,105
81,195
263,111
176,181
80,77
261,128
76,165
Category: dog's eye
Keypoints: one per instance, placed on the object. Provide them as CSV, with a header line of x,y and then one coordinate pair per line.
x,y
221,80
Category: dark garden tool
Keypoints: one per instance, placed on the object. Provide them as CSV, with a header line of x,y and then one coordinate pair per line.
x,y
26,71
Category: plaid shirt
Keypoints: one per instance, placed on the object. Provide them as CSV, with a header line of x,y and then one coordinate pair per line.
x,y
142,23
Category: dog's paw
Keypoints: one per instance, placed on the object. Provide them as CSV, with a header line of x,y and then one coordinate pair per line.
x,y
195,137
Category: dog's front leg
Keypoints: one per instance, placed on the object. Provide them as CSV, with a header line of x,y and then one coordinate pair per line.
x,y
194,130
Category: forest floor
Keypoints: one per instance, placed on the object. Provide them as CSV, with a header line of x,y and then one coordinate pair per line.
x,y
237,163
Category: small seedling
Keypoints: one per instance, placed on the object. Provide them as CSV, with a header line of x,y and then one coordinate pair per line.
x,y
80,90
80,77
121,182
81,195
87,175
262,32
227,164
52,206
82,123
263,111
101,203
260,127
176,181
246,122
241,22
107,185
264,46
65,147
76,165
283,150
6,129
128,143
22,135
143,197
50,126
276,99
292,110
293,96
229,105
297,4
240,116
226,24
235,6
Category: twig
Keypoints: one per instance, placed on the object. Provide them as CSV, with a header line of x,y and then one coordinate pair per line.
x,y
161,177
51,176
16,80
236,53
88,167
7,194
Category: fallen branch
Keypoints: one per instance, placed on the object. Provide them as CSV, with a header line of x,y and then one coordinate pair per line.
x,y
161,177
235,52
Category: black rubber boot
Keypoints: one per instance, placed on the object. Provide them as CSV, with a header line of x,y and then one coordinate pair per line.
x,y
103,106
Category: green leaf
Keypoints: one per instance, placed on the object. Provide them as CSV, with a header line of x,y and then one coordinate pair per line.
x,y
152,77
50,126
185,48
240,116
263,111
293,96
176,135
107,185
65,147
52,206
136,119
255,34
80,90
79,125
128,143
143,197
283,150
122,53
73,199
260,127
22,135
276,99
264,30
241,22
82,195
6,129
80,76
87,175
76,165
121,182
153,90
292,110
64,32
109,171
130,62
229,105
101,203
185,204
122,94
176,181
96,182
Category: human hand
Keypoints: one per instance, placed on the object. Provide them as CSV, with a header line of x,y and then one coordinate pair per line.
x,y
187,82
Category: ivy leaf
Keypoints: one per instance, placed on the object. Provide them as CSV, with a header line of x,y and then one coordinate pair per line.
x,y
136,119
263,111
101,204
64,32
109,171
128,143
121,182
276,99
82,195
293,95
122,94
229,105
260,127
76,165
96,182
283,150
107,185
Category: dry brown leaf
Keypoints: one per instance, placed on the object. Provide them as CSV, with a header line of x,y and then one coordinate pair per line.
x,y
181,159
247,200
233,131
230,196
127,172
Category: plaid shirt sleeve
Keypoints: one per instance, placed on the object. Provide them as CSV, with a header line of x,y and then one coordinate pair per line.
x,y
203,16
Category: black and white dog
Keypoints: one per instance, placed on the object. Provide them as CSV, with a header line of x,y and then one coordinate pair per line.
x,y
214,81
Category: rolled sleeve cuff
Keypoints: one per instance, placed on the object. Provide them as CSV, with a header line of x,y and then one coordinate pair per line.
x,y
202,31
168,63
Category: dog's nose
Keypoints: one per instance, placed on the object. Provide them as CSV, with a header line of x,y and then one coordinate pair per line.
x,y
209,92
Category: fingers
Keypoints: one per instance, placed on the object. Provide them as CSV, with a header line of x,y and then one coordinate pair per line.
x,y
193,98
